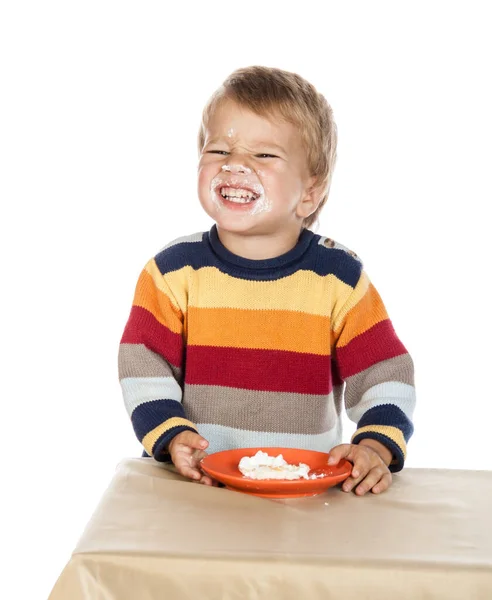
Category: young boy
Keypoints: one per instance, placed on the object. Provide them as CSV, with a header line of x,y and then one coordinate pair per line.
x,y
254,333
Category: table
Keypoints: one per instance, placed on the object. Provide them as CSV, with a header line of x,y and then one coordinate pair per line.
x,y
156,535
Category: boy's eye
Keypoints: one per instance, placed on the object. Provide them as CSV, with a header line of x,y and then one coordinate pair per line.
x,y
225,153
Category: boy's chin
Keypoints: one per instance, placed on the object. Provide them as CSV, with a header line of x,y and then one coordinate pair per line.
x,y
241,219
237,223
240,229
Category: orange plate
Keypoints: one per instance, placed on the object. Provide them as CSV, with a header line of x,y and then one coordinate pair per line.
x,y
223,466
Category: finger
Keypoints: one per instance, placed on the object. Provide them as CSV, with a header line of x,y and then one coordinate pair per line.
x,y
185,469
197,456
193,440
359,471
383,484
206,480
362,466
373,478
338,452
348,484
351,482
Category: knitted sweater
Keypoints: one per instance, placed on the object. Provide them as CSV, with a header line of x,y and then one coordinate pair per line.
x,y
261,353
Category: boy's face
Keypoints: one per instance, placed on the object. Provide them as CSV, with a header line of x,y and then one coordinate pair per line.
x,y
253,176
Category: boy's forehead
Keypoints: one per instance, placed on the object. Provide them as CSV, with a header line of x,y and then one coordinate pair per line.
x,y
231,121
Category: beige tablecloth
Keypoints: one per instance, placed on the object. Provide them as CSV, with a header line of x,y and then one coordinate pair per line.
x,y
157,536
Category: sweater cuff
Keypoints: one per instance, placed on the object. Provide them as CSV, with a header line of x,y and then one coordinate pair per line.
x,y
159,450
396,447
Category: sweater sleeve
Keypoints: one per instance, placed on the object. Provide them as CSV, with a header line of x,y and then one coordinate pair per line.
x,y
377,371
150,363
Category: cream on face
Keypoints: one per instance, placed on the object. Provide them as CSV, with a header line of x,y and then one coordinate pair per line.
x,y
249,165
238,189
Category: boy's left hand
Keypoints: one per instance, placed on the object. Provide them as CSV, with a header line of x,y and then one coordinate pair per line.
x,y
370,470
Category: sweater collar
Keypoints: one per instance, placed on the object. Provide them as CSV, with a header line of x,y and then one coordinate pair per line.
x,y
277,262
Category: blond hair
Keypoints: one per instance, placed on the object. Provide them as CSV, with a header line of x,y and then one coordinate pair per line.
x,y
269,92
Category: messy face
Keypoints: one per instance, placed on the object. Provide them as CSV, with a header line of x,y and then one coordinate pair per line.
x,y
236,189
253,173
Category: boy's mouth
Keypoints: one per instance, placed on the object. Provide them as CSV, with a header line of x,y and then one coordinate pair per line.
x,y
238,195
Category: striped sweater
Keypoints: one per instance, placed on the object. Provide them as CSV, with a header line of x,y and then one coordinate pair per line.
x,y
253,353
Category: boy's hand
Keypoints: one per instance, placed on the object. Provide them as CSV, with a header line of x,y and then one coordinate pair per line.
x,y
370,470
187,450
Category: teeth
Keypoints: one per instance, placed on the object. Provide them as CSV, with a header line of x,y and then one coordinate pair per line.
x,y
237,195
236,192
237,200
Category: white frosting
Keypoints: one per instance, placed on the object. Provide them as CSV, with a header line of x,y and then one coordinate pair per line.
x,y
236,169
261,204
263,466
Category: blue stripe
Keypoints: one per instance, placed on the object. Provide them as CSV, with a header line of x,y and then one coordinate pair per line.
x,y
150,415
333,261
387,414
317,258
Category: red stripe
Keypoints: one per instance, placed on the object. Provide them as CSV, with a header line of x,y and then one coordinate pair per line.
x,y
374,345
143,328
266,370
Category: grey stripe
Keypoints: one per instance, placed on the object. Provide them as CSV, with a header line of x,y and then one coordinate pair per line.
x,y
136,360
260,410
194,237
399,394
399,369
226,438
338,398
139,390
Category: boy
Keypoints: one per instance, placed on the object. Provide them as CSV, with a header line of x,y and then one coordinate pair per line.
x,y
247,335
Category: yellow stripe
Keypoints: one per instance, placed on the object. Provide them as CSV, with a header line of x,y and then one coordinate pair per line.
x,y
347,303
157,303
150,439
175,287
393,433
304,291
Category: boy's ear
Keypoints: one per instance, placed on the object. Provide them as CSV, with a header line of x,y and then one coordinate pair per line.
x,y
310,200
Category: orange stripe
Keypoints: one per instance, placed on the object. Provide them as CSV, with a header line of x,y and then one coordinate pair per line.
x,y
369,311
259,329
149,297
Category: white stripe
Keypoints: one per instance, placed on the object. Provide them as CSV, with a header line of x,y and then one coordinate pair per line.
x,y
390,392
227,438
194,237
138,390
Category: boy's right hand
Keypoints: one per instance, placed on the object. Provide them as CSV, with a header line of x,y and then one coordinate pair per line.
x,y
187,450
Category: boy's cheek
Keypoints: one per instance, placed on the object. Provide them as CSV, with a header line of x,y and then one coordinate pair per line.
x,y
204,179
207,160
207,173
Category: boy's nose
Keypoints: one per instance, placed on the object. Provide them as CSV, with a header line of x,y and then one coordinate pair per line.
x,y
236,168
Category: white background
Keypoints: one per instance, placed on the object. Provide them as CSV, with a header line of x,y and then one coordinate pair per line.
x,y
100,107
